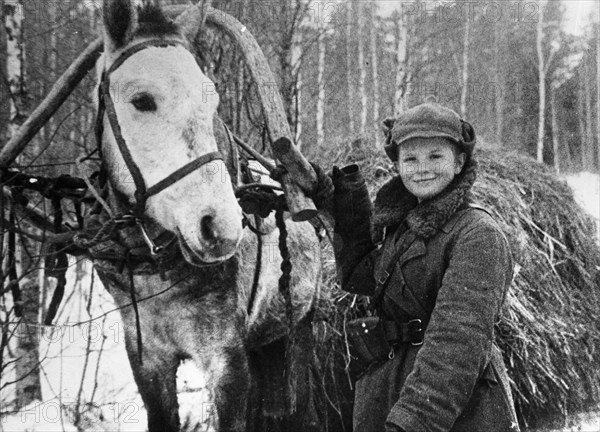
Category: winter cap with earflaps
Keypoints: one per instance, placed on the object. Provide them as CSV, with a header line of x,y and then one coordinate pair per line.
x,y
427,121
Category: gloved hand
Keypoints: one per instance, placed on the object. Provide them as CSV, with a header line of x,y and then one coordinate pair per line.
x,y
352,210
352,204
322,196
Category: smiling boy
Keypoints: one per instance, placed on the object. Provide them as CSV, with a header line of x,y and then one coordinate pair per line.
x,y
438,280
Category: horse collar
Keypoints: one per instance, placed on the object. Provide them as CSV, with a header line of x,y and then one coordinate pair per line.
x,y
107,106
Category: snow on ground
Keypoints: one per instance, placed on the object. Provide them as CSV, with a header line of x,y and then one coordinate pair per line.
x,y
110,400
586,188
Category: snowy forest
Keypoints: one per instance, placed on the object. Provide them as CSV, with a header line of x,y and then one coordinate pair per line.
x,y
512,68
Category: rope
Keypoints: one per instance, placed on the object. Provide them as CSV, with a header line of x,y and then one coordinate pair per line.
x,y
258,267
103,234
59,271
91,188
136,311
56,263
284,289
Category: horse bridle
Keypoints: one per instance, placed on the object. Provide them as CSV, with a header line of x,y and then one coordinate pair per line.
x,y
106,106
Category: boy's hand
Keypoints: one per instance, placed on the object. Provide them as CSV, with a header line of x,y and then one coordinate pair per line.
x,y
322,196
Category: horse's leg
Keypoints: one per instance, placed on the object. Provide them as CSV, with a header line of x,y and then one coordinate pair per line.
x,y
156,381
232,388
305,418
254,422
270,364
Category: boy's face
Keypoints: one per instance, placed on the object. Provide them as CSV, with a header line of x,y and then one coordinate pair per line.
x,y
428,165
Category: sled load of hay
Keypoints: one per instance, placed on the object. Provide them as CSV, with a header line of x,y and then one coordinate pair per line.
x,y
549,332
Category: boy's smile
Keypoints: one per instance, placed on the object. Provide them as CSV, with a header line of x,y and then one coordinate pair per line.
x,y
428,165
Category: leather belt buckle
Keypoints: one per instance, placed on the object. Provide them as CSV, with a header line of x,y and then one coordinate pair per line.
x,y
415,328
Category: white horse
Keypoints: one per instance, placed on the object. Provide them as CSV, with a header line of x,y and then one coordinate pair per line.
x,y
184,272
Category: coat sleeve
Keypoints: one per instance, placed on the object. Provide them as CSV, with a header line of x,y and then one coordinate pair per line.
x,y
459,337
353,245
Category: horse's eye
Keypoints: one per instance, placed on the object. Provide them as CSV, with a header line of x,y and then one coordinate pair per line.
x,y
144,102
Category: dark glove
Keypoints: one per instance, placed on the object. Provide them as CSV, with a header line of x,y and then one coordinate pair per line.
x,y
352,210
322,196
352,204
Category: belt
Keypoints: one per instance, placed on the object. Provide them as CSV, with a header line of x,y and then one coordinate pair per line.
x,y
410,332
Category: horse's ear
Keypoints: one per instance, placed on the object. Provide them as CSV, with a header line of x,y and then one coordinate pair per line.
x,y
120,22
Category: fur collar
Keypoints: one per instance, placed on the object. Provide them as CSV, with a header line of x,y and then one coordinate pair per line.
x,y
394,204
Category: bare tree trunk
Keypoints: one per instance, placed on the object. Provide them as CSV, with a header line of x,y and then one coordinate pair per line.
x,y
362,68
285,58
589,119
349,23
499,78
465,69
555,130
52,65
321,88
4,102
297,65
598,98
374,65
15,64
401,65
27,370
240,83
582,126
28,384
542,81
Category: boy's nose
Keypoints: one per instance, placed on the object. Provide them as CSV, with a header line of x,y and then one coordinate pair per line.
x,y
423,167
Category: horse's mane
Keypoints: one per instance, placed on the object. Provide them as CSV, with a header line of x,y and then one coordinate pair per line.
x,y
152,22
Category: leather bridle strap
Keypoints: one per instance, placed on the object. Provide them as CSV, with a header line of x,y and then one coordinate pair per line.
x,y
182,172
106,105
157,43
109,107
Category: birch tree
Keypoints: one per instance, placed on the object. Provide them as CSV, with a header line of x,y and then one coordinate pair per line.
x,y
4,91
402,75
465,67
500,82
349,51
291,15
321,46
362,69
555,129
297,72
27,350
588,142
598,92
541,80
374,64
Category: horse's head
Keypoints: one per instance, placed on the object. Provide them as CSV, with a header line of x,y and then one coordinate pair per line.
x,y
162,113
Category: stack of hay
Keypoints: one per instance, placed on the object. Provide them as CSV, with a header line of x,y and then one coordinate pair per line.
x,y
550,329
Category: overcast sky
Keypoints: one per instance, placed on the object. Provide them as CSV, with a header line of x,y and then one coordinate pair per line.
x,y
579,12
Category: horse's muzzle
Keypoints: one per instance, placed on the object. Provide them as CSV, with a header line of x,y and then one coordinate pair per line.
x,y
213,249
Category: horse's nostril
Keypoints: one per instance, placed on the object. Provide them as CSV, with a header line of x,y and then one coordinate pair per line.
x,y
207,228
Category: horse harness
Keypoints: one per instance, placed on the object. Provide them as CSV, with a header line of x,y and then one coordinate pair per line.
x,y
160,253
142,192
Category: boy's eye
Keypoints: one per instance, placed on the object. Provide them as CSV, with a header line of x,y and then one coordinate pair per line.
x,y
409,159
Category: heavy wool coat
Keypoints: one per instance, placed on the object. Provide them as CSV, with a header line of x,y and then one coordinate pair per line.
x,y
454,276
